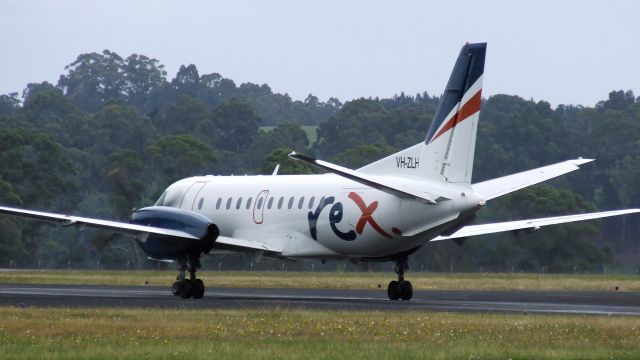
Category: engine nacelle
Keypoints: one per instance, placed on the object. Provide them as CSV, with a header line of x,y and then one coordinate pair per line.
x,y
173,247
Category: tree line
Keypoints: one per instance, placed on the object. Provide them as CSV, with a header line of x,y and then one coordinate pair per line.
x,y
113,132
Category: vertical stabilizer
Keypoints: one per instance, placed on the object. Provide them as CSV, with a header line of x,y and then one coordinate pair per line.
x,y
448,150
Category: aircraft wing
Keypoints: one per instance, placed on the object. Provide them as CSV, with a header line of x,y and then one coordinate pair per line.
x,y
242,245
222,242
366,179
529,225
115,226
501,186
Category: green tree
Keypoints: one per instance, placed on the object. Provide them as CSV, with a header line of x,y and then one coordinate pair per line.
x,y
291,135
35,166
516,135
47,109
237,124
123,175
359,122
185,115
145,79
214,89
562,248
179,156
9,104
362,155
11,248
288,166
187,81
40,176
7,196
618,100
119,126
12,251
93,79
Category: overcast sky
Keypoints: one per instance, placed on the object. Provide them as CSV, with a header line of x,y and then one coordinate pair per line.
x,y
564,52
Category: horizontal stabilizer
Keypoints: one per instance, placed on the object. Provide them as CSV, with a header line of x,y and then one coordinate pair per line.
x,y
494,188
368,180
529,225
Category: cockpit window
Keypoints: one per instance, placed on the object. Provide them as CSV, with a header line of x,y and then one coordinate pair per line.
x,y
160,201
172,196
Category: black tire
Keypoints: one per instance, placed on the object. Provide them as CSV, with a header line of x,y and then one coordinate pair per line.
x,y
394,290
177,288
198,289
406,290
187,288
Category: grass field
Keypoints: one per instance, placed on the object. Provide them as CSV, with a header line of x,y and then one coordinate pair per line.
x,y
107,333
344,280
33,333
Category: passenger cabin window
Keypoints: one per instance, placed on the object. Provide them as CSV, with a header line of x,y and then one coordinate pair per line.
x,y
229,203
301,202
260,203
218,203
270,202
280,202
239,203
290,204
311,201
200,203
249,203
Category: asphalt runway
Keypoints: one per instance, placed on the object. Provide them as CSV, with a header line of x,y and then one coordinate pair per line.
x,y
594,303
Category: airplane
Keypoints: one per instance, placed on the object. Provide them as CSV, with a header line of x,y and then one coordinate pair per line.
x,y
383,211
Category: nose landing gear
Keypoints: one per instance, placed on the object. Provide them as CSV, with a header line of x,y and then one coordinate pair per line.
x,y
191,287
400,289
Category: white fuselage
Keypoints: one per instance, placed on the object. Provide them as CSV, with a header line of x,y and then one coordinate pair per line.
x,y
320,215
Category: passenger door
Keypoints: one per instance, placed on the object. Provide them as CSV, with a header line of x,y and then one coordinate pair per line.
x,y
259,205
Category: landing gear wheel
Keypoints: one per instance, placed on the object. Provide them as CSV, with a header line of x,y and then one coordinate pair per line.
x,y
177,288
401,289
198,289
187,288
406,290
394,290
190,287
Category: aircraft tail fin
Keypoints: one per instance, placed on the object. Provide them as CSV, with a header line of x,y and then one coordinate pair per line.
x,y
448,150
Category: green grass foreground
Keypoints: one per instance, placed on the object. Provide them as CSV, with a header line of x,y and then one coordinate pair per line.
x,y
336,280
37,333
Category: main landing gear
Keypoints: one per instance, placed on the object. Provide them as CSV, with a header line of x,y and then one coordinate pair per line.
x,y
191,287
401,289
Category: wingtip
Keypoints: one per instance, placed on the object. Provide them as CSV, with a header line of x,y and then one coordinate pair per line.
x,y
581,161
294,155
